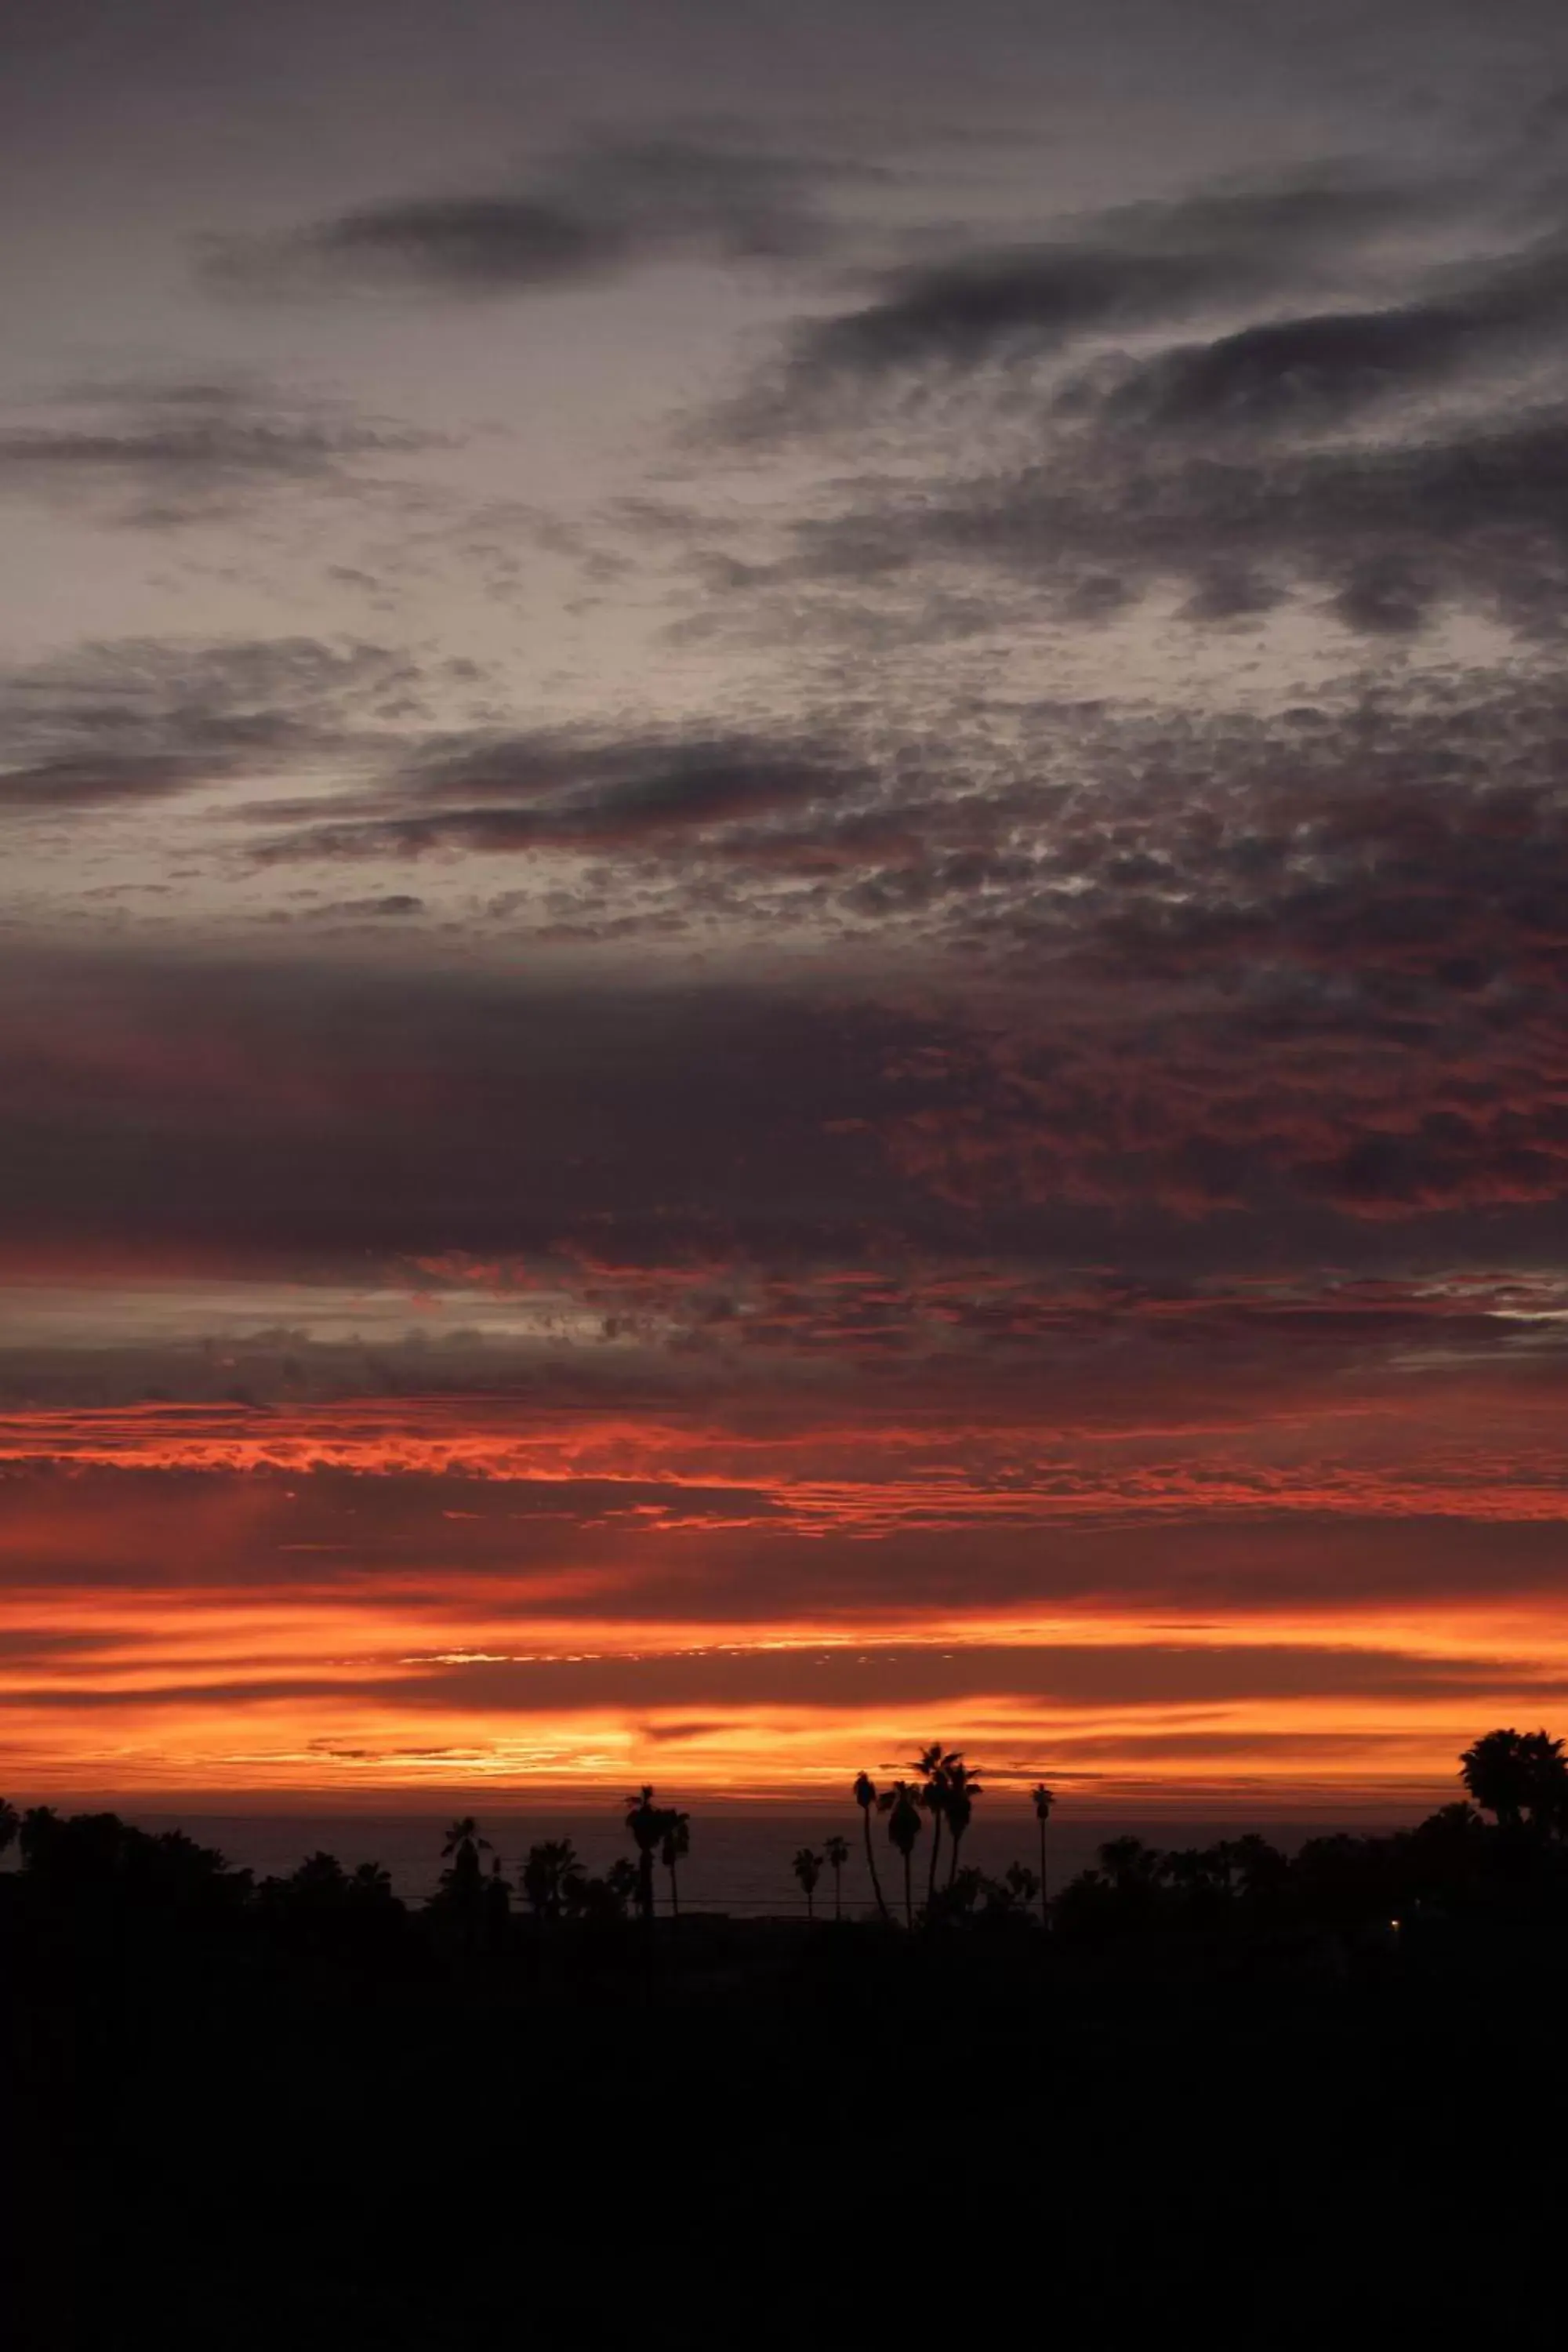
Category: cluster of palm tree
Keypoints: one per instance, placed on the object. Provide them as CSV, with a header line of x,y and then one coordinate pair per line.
x,y
944,1789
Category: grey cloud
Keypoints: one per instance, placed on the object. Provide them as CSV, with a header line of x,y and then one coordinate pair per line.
x,y
572,790
165,455
608,208
1129,268
146,719
1472,515
1318,371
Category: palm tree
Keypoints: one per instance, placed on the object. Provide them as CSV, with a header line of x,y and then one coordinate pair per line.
x,y
807,1868
10,1822
646,1823
935,1770
1548,1780
962,1788
34,1831
866,1797
901,1803
1044,1800
464,1833
675,1841
370,1882
1511,1773
551,1877
837,1851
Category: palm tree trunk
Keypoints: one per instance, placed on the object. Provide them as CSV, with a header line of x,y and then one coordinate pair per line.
x,y
674,1894
1045,1914
871,1863
810,1906
935,1850
837,1893
909,1899
952,1857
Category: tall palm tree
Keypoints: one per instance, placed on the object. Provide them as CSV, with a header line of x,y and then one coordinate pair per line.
x,y
1044,1800
837,1851
935,1770
962,1788
464,1833
901,1803
807,1868
646,1823
674,1841
866,1797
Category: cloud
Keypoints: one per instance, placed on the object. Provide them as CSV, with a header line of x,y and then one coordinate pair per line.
x,y
604,210
576,789
162,455
145,719
994,312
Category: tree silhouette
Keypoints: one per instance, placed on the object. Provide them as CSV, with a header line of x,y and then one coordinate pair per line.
x,y
807,1868
646,1823
10,1822
464,1833
1511,1774
1044,1800
866,1797
901,1803
674,1843
935,1770
551,1877
837,1853
962,1788
38,1825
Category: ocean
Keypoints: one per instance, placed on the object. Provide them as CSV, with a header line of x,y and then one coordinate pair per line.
x,y
741,1854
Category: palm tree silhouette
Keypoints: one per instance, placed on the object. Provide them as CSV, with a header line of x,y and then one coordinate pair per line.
x,y
866,1797
551,1877
1514,1773
901,1803
1044,1800
675,1841
464,1833
646,1823
807,1868
835,1851
962,1788
36,1826
935,1770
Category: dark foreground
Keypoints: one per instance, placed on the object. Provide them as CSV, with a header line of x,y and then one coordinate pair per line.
x,y
228,2134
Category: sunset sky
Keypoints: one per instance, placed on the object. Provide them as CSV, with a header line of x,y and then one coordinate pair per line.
x,y
785,894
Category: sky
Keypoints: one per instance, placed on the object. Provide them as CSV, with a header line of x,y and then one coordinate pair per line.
x,y
783,894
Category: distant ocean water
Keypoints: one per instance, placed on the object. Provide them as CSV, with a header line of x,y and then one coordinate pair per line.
x,y
740,1854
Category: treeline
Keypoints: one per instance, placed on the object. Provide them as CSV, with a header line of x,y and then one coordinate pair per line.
x,y
1501,1849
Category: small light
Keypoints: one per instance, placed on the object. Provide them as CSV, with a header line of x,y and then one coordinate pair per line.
x,y
1395,1925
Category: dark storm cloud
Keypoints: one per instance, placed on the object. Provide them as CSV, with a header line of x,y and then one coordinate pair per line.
x,y
160,455
606,210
